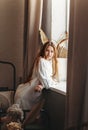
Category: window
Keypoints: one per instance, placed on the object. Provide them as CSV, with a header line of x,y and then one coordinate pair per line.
x,y
60,28
60,18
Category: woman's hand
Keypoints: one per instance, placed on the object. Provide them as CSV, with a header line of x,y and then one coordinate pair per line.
x,y
38,88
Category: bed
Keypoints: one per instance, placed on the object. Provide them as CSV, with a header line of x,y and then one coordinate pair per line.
x,y
7,73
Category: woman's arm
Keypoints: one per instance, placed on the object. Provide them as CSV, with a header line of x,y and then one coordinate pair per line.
x,y
38,88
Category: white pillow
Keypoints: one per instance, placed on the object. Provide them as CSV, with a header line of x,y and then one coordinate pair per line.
x,y
62,69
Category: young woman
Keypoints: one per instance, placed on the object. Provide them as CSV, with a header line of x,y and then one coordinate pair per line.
x,y
45,75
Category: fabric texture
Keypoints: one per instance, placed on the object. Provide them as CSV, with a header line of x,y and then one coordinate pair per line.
x,y
37,15
77,74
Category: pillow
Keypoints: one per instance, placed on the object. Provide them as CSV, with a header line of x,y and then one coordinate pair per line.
x,y
6,99
62,52
62,69
62,49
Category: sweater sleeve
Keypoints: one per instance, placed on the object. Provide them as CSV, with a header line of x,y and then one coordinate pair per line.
x,y
44,74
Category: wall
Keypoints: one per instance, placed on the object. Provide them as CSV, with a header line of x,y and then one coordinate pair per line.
x,y
11,34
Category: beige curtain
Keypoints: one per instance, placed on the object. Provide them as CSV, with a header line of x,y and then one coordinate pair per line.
x,y
31,26
35,16
77,78
46,17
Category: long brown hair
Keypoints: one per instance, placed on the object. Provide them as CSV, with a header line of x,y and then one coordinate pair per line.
x,y
54,60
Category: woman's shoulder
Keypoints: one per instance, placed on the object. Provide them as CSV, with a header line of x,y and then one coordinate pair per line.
x,y
42,61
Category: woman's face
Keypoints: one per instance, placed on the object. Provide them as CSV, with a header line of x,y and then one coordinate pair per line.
x,y
49,53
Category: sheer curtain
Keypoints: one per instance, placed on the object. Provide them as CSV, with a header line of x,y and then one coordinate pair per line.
x,y
36,13
77,76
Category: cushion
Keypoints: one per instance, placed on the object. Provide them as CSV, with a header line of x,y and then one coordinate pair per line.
x,y
62,49
6,99
62,52
62,69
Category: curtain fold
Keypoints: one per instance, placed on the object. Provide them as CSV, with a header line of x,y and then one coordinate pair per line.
x,y
46,17
31,34
36,15
77,74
